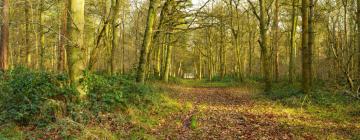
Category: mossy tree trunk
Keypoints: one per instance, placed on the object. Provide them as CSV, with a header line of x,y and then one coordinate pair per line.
x,y
75,49
264,56
141,70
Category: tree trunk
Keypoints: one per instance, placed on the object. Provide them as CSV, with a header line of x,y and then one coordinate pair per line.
x,y
264,48
168,59
306,51
311,44
75,50
157,38
115,37
123,41
63,38
276,40
292,61
158,60
251,48
42,36
4,37
222,53
200,66
358,36
146,42
27,34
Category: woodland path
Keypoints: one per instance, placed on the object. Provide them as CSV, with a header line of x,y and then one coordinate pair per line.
x,y
222,113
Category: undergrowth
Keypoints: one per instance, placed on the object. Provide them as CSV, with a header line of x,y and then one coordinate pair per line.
x,y
42,105
324,103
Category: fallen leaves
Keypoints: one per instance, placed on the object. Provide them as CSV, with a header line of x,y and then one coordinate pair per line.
x,y
235,113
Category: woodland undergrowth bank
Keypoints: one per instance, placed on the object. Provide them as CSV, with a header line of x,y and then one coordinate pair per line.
x,y
45,101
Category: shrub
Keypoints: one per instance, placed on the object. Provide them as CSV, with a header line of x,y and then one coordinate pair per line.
x,y
105,92
108,93
32,96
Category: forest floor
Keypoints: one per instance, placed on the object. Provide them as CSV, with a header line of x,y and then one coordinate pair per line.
x,y
227,112
218,110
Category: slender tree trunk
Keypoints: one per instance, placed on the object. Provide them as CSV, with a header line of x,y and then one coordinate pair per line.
x,y
123,41
306,51
115,4
222,53
292,62
42,36
146,42
200,67
264,48
168,59
358,35
157,38
238,60
27,34
276,40
63,38
4,42
251,35
158,60
75,49
311,43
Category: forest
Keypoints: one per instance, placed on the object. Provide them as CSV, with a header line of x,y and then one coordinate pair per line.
x,y
179,69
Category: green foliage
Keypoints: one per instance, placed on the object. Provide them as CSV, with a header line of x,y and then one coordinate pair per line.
x,y
193,122
45,101
107,93
226,79
325,104
34,97
175,80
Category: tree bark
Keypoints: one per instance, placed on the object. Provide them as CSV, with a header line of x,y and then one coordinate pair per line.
x,y
306,51
147,41
276,40
358,36
42,36
292,61
75,49
200,71
63,38
168,59
222,52
115,37
264,48
311,40
4,37
27,34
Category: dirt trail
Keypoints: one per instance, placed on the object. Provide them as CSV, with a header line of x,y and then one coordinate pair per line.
x,y
221,113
